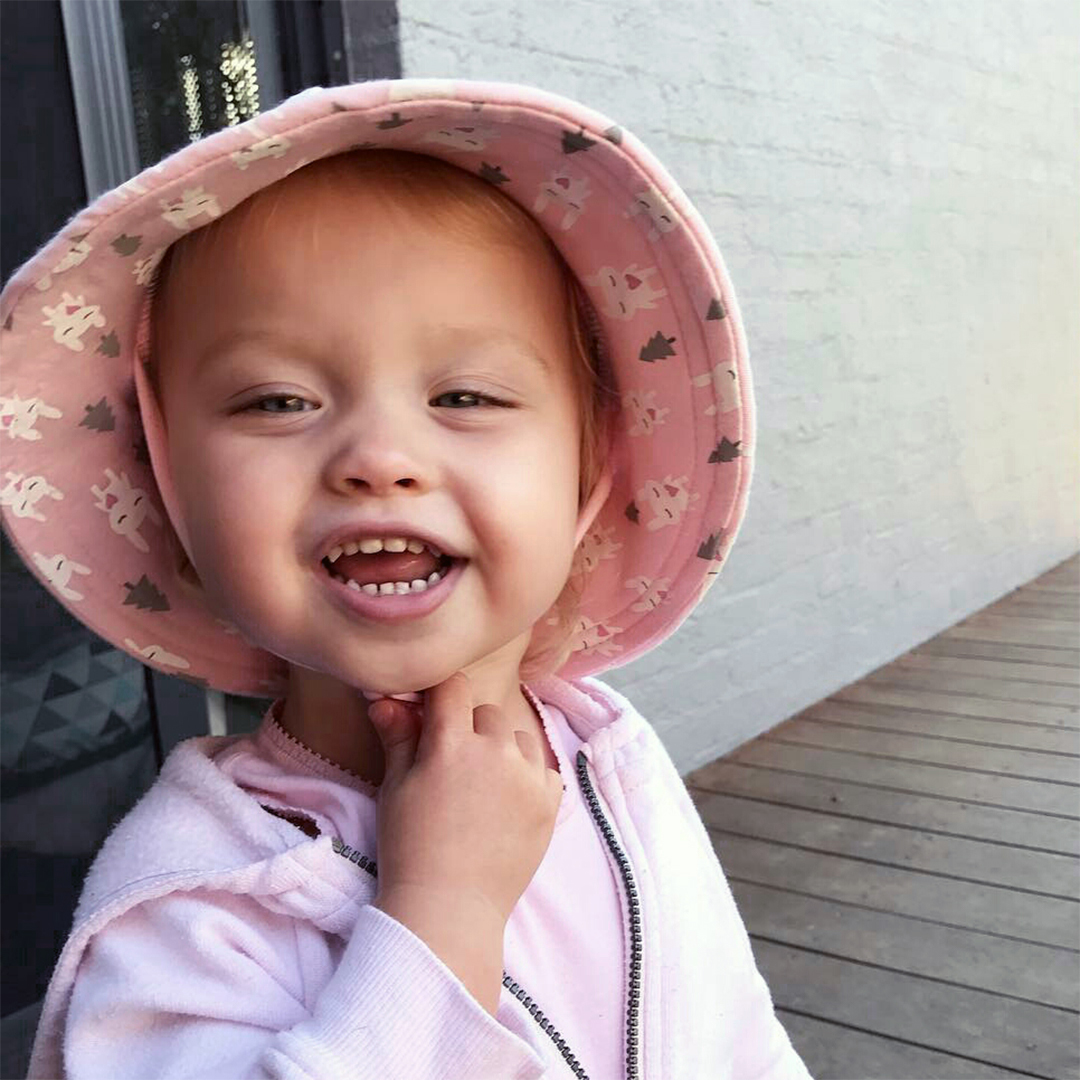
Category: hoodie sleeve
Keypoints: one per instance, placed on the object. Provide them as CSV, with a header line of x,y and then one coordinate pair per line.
x,y
213,985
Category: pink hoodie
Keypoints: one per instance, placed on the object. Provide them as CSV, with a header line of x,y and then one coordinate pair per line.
x,y
214,939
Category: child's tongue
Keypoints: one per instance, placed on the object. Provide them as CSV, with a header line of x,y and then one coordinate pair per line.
x,y
386,566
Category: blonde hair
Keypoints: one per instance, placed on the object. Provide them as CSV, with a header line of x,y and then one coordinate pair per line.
x,y
472,211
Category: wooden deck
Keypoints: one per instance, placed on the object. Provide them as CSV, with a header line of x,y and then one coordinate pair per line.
x,y
906,853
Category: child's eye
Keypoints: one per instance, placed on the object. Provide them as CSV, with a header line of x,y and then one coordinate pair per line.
x,y
291,403
273,400
475,397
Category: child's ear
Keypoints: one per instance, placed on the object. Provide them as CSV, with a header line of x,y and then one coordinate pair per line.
x,y
587,514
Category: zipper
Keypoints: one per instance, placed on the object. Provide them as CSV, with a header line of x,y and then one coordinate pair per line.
x,y
634,996
633,1001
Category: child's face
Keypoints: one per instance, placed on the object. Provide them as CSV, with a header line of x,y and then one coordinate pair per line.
x,y
353,307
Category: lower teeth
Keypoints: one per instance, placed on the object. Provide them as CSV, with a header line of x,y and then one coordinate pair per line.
x,y
394,588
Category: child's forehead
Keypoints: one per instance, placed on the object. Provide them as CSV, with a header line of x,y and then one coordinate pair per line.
x,y
434,296
344,271
235,332
362,194
272,243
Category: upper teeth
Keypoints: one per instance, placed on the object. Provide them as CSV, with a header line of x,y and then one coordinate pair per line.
x,y
389,543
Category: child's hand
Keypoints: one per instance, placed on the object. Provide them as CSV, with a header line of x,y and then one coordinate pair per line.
x,y
467,806
465,813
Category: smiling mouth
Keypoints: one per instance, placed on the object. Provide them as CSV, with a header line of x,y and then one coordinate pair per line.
x,y
381,582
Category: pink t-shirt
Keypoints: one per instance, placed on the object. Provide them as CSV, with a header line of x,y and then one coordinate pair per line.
x,y
566,947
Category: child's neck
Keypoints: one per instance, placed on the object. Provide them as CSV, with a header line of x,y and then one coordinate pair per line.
x,y
330,717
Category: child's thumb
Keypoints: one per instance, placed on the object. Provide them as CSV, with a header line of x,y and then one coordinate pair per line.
x,y
395,725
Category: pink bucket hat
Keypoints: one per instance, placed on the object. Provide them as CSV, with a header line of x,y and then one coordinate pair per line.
x,y
81,498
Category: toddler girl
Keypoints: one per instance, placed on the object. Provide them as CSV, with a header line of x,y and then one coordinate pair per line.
x,y
429,402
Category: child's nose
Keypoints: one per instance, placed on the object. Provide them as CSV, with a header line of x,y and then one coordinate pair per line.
x,y
380,456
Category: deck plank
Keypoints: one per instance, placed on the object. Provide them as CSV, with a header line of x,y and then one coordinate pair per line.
x,y
843,1053
1059,607
1037,973
1041,920
1018,631
882,805
1066,660
980,757
1012,670
1059,590
898,846
961,704
1009,793
999,687
1040,606
1035,737
993,1030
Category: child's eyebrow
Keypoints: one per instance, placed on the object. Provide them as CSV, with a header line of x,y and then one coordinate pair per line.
x,y
227,342
231,339
483,335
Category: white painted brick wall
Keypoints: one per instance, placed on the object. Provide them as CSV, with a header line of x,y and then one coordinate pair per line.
x,y
895,188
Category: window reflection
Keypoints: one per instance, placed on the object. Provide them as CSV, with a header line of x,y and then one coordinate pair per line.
x,y
193,71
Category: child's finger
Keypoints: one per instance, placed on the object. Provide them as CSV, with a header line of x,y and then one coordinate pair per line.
x,y
448,709
396,727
